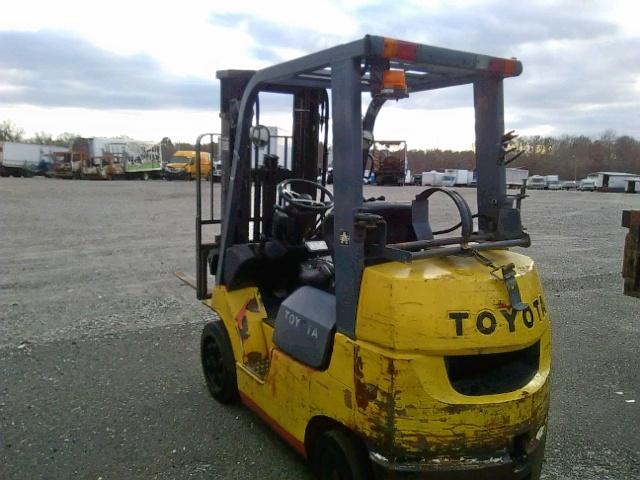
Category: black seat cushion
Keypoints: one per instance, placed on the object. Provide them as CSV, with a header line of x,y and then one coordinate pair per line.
x,y
397,216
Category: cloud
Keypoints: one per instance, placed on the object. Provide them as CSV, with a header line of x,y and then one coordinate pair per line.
x,y
581,65
496,28
581,72
274,41
55,69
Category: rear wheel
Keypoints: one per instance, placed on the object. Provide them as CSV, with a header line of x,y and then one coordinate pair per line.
x,y
337,455
218,364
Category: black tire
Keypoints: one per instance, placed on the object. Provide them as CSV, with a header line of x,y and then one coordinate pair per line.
x,y
218,364
338,455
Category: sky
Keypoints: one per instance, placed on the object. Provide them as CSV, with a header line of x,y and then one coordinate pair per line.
x,y
146,69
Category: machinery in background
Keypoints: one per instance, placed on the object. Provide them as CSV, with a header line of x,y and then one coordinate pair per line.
x,y
28,159
388,162
108,158
536,182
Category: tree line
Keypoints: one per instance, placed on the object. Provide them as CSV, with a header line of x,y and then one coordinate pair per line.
x,y
9,132
570,157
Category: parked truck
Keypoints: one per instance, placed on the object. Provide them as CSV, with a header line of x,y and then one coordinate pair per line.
x,y
552,182
108,158
536,182
612,181
27,159
181,166
438,179
389,162
462,177
515,176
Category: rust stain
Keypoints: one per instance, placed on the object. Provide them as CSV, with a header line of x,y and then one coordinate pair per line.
x,y
454,409
347,398
362,396
388,406
500,304
385,425
391,369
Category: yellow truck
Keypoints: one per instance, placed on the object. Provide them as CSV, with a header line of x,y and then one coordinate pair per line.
x,y
182,166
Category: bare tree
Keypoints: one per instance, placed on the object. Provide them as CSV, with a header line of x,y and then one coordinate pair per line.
x,y
10,132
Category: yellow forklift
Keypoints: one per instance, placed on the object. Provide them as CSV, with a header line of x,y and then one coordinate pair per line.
x,y
376,346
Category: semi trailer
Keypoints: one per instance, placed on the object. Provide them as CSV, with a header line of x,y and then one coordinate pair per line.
x,y
27,159
108,158
515,176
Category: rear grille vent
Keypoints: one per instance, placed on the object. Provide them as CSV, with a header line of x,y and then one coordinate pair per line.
x,y
494,373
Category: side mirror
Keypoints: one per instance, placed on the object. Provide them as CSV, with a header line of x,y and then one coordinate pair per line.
x,y
260,136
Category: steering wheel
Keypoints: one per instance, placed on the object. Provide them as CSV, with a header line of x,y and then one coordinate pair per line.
x,y
288,196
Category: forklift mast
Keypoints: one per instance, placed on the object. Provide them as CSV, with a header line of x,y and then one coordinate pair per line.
x,y
305,148
389,69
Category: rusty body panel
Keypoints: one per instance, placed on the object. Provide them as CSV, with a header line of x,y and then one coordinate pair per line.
x,y
400,412
407,405
392,386
631,261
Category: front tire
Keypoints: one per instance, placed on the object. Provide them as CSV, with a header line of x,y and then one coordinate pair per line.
x,y
338,455
218,364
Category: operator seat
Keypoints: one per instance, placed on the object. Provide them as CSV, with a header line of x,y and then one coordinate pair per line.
x,y
397,215
290,223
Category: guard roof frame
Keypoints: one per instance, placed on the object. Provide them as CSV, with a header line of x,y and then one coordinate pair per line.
x,y
342,69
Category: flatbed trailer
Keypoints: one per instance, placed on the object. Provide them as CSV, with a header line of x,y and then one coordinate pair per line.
x,y
109,158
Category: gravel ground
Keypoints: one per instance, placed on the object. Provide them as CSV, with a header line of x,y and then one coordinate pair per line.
x,y
99,363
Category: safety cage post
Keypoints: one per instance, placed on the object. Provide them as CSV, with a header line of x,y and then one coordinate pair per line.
x,y
203,249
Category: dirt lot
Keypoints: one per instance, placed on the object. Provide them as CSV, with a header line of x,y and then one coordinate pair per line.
x,y
99,364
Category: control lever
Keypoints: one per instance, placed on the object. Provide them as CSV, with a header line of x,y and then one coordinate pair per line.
x,y
505,148
509,279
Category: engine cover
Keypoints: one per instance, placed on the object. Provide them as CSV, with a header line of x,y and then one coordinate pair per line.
x,y
305,326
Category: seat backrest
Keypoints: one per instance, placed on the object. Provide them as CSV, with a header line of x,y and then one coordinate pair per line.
x,y
397,216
